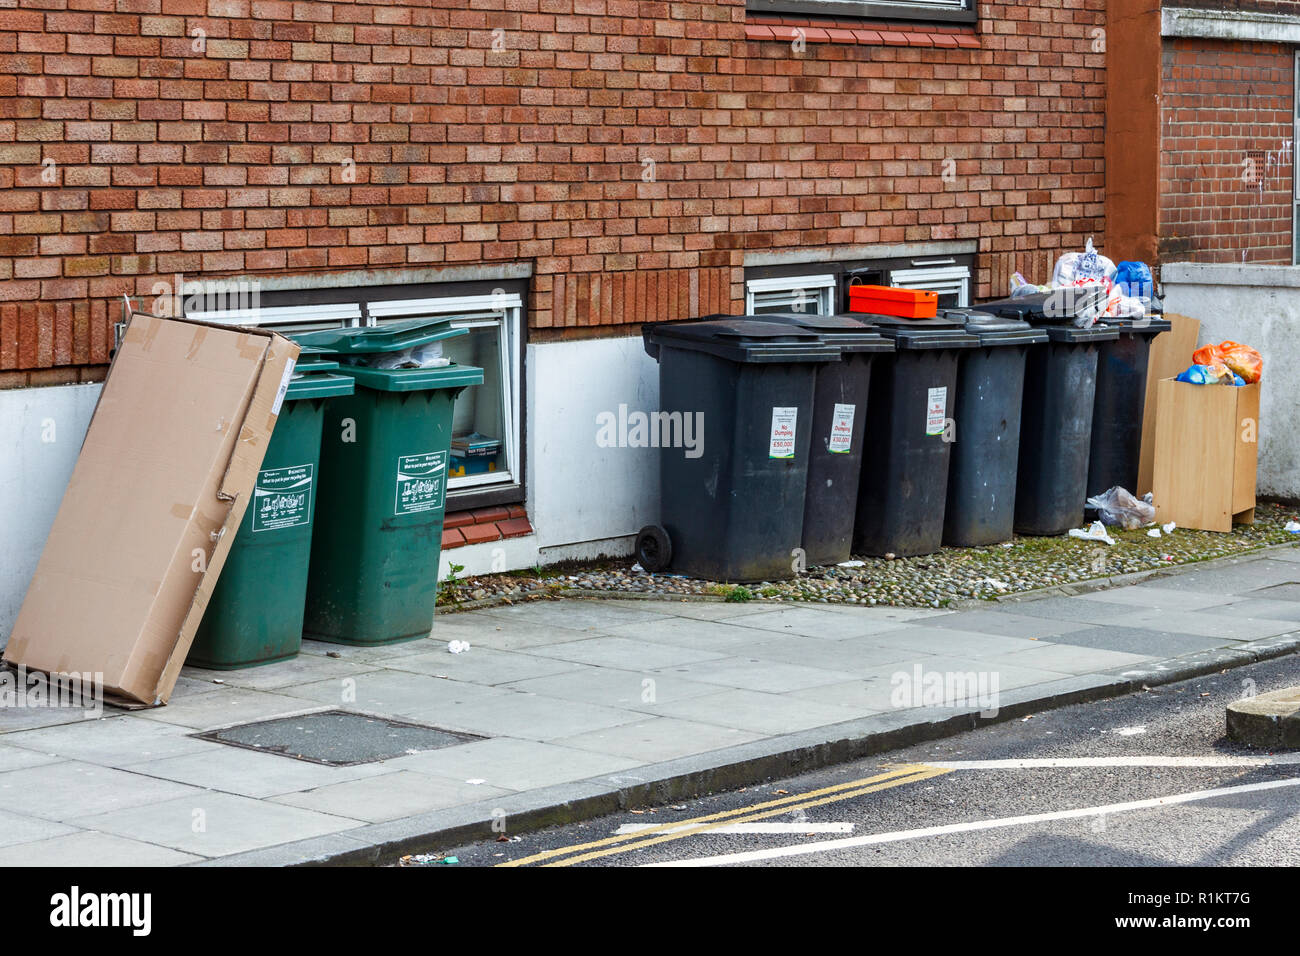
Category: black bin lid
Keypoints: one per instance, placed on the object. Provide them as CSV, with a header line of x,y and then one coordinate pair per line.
x,y
1151,325
941,332
740,339
997,329
846,332
1059,305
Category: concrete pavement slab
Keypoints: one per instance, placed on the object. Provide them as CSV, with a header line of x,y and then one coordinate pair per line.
x,y
659,739
814,622
1230,577
251,774
1155,598
1006,623
399,793
721,637
89,848
626,653
528,716
1273,610
749,673
1080,610
71,789
17,829
760,712
229,705
1075,659
1276,592
851,655
1215,622
1146,641
508,763
483,665
636,690
119,741
393,692
16,758
215,824
575,614
926,640
298,670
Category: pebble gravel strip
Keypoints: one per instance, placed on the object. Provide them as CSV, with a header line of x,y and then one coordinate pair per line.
x,y
933,580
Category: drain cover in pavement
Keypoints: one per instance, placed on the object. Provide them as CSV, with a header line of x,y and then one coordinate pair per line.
x,y
336,738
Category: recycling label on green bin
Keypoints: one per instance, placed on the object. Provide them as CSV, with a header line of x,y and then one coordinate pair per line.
x,y
282,498
421,482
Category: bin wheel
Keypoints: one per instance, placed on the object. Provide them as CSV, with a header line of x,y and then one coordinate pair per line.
x,y
654,549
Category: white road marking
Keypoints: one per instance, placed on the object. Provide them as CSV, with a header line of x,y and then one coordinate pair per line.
x,y
1211,760
825,846
760,827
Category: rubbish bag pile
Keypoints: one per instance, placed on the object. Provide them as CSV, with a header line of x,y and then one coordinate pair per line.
x,y
1228,363
1127,290
1118,506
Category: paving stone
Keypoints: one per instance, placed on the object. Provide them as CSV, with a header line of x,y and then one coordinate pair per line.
x,y
299,670
1140,640
926,640
509,763
813,622
1074,659
1006,623
89,848
851,655
401,793
1156,598
756,674
392,692
626,653
484,665
252,774
1080,610
1272,610
216,824
659,739
70,789
1215,622
608,687
760,712
229,705
113,742
18,829
721,637
527,716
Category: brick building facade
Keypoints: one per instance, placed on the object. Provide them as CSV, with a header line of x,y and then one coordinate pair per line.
x,y
603,163
1202,125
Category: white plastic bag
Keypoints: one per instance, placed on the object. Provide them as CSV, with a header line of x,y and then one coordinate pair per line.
x,y
1087,266
1116,506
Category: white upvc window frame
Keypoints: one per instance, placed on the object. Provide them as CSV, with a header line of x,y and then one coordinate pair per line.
x,y
288,318
791,291
501,310
943,276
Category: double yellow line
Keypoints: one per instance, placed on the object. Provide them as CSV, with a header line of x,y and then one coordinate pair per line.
x,y
583,852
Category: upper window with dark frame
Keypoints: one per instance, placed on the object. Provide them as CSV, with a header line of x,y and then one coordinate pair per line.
x,y
934,11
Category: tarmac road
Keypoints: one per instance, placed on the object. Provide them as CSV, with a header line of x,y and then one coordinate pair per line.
x,y
1103,798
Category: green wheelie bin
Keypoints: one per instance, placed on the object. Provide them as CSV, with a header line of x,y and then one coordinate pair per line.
x,y
384,467
255,613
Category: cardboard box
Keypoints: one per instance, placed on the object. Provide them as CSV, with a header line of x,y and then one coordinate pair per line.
x,y
164,476
1171,352
1206,452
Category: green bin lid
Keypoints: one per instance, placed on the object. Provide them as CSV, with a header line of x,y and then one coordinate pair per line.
x,y
318,385
414,379
366,340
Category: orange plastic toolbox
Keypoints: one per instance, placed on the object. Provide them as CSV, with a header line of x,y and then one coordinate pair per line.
x,y
888,300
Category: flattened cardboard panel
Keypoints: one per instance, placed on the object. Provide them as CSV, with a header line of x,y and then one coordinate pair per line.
x,y
1171,352
163,469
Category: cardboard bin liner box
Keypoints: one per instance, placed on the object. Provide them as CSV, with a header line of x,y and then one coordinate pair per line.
x,y
165,473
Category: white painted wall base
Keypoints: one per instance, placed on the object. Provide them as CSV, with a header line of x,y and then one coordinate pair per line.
x,y
584,501
41,430
1259,306
491,557
577,491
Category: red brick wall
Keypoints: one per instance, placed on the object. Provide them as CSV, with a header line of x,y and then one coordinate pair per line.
x,y
309,137
1227,156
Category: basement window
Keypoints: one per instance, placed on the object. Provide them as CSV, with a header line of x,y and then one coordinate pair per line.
x,y
814,294
488,417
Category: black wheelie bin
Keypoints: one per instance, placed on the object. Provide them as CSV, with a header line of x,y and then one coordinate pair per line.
x,y
732,505
904,482
1121,402
985,456
1056,428
839,420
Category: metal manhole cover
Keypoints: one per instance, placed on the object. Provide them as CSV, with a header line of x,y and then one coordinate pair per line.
x,y
337,738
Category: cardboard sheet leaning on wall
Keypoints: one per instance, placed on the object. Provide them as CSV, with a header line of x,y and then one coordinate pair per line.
x,y
159,489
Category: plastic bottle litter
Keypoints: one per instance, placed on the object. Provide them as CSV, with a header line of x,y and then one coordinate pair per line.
x,y
1292,526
